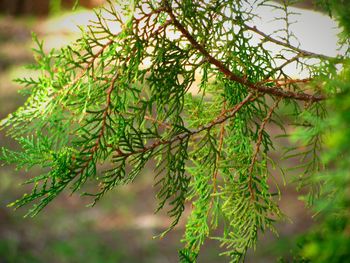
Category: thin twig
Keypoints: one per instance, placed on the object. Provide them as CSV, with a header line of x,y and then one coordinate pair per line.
x,y
220,119
285,82
160,123
221,140
257,147
96,146
301,52
287,62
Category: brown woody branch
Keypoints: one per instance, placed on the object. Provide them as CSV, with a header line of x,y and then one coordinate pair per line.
x,y
276,91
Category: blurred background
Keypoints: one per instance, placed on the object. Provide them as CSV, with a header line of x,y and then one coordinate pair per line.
x,y
121,227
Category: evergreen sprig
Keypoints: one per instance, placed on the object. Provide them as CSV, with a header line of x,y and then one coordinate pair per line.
x,y
128,98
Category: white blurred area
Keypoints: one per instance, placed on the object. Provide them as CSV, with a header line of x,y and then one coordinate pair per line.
x,y
315,31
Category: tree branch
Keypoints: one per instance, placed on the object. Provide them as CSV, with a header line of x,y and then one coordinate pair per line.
x,y
278,92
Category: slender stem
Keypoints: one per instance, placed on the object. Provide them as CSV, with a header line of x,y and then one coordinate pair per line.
x,y
160,123
257,147
96,146
221,140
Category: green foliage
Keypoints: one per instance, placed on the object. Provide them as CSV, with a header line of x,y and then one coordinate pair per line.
x,y
84,246
329,240
55,6
182,84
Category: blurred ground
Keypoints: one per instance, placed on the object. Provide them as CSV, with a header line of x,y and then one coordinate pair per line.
x,y
121,226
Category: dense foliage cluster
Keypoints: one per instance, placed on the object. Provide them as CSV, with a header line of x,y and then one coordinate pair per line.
x,y
192,85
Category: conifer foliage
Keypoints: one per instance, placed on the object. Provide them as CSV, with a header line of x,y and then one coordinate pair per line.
x,y
182,84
